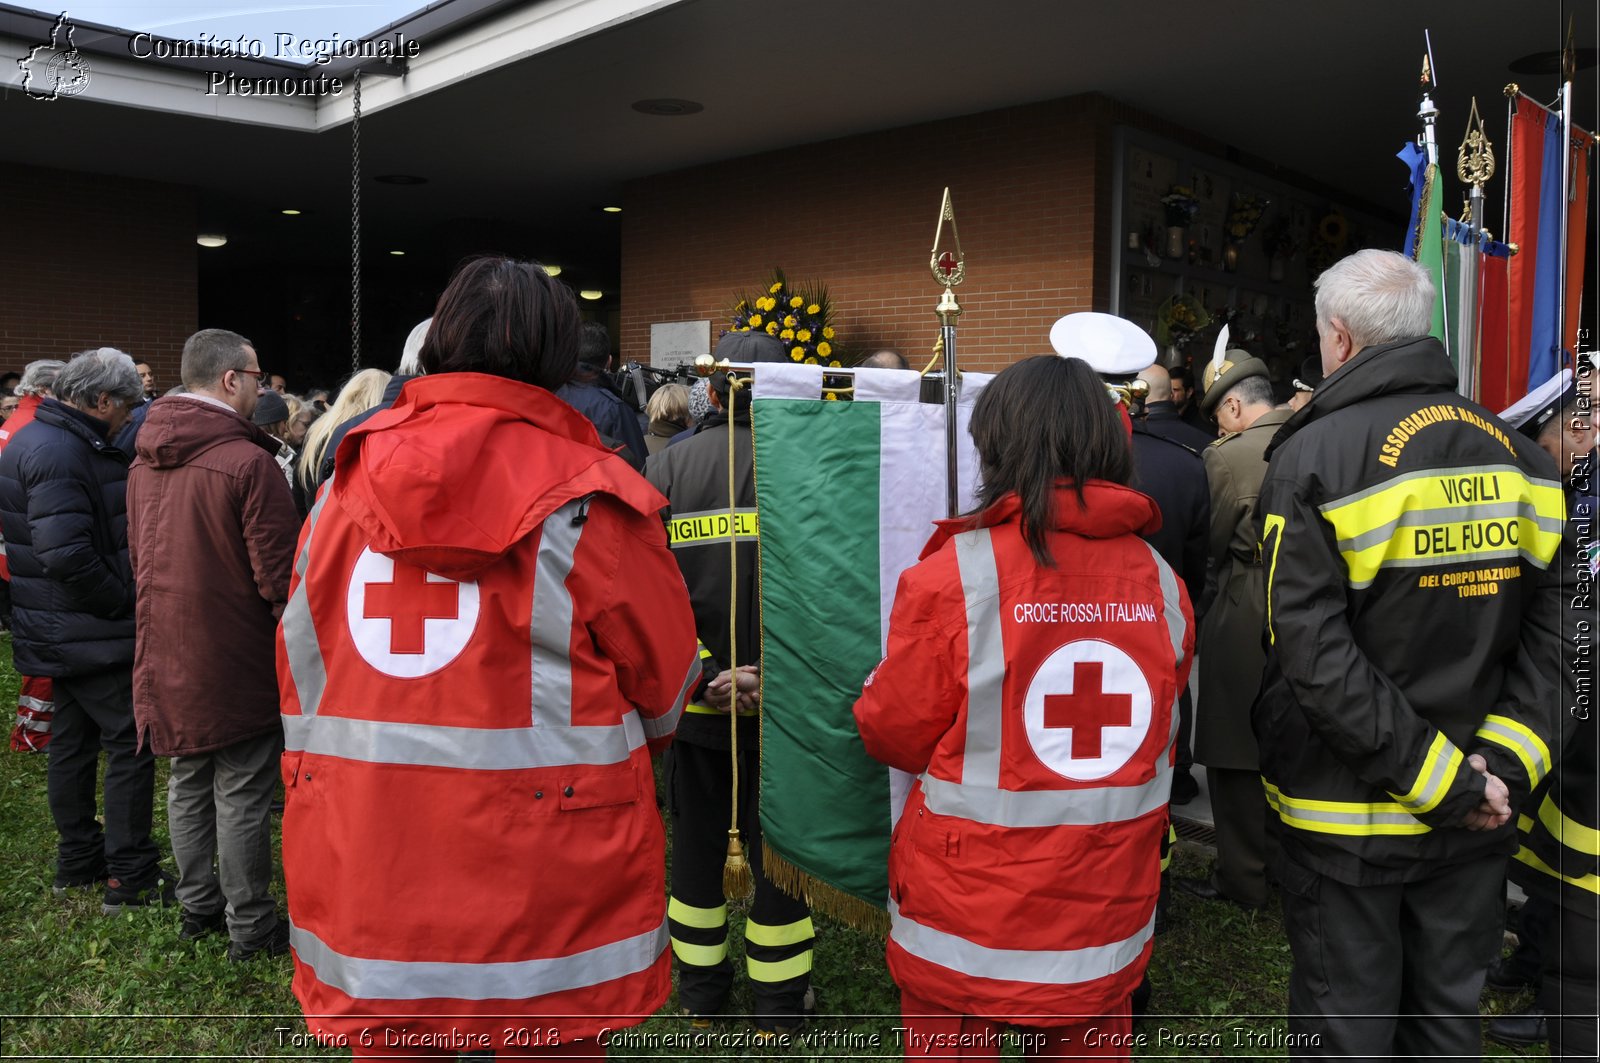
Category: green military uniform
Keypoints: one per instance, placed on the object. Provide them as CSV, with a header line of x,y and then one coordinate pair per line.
x,y
1231,647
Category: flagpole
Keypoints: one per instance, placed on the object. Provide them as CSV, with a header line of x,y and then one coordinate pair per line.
x,y
949,269
1475,165
1567,63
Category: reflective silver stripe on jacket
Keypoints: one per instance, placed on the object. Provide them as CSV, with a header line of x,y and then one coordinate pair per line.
x,y
467,748
1171,603
1043,966
304,653
366,979
1047,808
667,722
986,658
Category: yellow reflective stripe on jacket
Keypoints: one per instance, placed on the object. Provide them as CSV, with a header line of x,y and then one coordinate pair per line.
x,y
1590,882
1566,830
712,525
1272,521
704,710
1447,516
1343,817
1439,766
1528,747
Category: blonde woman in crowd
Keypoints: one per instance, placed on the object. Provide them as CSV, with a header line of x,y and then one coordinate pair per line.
x,y
668,410
361,393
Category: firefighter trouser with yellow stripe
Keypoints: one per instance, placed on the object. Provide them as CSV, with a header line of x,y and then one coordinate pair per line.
x,y
778,933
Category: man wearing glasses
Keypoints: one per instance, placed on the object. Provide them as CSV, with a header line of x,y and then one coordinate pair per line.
x,y
211,529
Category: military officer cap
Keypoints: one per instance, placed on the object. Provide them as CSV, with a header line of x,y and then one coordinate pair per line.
x,y
1114,347
1227,367
1309,378
1534,410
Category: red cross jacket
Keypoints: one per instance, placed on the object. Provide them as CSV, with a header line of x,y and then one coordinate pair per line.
x,y
485,637
1037,706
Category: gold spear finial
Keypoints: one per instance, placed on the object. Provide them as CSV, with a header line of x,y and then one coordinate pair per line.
x,y
949,268
1475,163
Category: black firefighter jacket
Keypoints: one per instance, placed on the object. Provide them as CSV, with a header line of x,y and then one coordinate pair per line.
x,y
1413,619
693,474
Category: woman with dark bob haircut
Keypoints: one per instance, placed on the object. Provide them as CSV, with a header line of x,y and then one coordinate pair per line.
x,y
486,638
1034,656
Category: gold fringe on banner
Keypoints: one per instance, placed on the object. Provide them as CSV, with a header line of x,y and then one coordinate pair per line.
x,y
829,900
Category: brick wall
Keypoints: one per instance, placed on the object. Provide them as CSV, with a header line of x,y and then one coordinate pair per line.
x,y
859,214
91,261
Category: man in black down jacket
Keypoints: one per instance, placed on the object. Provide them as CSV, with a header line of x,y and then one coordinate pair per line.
x,y
63,513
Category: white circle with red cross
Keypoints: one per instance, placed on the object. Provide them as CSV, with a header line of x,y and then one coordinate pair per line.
x,y
406,621
1087,711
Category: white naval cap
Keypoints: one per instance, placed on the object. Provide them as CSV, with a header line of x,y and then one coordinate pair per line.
x,y
1111,345
1533,411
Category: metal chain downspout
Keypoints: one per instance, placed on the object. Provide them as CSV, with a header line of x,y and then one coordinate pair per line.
x,y
355,230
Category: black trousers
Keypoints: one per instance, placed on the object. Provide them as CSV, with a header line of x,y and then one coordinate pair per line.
x,y
1393,970
95,712
778,931
1183,756
1239,810
1569,991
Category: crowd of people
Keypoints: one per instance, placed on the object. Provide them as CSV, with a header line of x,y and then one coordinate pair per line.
x,y
489,609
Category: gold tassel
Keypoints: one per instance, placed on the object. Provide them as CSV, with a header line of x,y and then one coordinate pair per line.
x,y
738,881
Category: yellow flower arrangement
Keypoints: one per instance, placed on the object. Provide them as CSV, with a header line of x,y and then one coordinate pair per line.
x,y
796,314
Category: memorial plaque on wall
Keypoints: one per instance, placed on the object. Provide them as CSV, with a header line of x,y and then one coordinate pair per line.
x,y
674,342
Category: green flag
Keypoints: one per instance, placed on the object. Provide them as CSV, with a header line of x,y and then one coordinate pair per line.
x,y
1430,246
847,494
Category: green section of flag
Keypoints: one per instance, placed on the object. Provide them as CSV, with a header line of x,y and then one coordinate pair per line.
x,y
1450,304
1430,245
824,802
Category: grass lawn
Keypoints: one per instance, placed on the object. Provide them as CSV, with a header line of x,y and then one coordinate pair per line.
x,y
77,985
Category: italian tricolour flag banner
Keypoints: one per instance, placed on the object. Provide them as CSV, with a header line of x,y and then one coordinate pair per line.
x,y
847,493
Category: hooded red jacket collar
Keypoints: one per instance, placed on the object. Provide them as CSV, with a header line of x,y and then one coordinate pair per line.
x,y
465,465
1107,510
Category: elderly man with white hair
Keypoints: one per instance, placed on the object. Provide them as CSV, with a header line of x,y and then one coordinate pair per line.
x,y
1413,619
63,511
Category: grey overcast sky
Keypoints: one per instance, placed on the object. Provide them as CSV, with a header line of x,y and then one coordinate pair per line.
x,y
230,19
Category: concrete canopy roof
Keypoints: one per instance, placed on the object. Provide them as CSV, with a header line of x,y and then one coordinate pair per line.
x,y
521,113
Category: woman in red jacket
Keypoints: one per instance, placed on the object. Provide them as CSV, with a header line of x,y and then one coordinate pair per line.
x,y
1034,656
486,638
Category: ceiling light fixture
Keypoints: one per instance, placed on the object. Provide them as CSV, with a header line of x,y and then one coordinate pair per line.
x,y
400,179
397,252
211,239
667,107
552,271
291,213
591,293
612,210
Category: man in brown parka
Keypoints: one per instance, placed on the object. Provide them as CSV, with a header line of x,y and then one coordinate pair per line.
x,y
211,532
